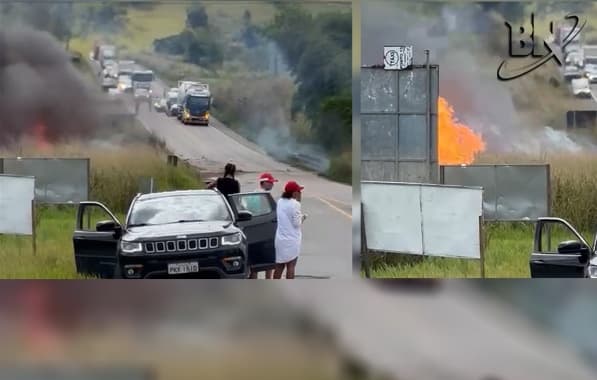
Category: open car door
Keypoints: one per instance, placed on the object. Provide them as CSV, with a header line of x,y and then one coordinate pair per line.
x,y
95,240
559,250
260,230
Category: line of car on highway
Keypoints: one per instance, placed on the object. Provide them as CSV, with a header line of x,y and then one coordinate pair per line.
x,y
580,65
190,102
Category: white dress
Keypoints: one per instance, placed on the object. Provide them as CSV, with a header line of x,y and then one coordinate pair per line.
x,y
288,233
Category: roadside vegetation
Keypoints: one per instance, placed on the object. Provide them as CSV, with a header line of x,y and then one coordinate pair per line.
x,y
280,74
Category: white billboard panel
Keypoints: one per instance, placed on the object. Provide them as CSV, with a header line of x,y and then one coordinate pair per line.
x,y
451,221
393,213
422,219
16,197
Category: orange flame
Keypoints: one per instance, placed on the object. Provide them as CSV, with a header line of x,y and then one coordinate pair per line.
x,y
457,143
40,136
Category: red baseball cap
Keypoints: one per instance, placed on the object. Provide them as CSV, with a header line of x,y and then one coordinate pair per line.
x,y
267,177
293,187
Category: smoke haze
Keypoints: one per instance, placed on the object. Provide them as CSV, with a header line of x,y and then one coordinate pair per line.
x,y
467,69
38,84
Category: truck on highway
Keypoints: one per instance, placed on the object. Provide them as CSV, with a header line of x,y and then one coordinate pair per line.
x,y
106,52
194,99
141,81
590,54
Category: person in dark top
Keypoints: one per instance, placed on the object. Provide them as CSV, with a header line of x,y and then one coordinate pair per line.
x,y
227,184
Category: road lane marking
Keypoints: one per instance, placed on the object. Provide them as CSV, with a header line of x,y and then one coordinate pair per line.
x,y
349,216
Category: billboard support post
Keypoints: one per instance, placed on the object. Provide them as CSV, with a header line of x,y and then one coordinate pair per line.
x,y
33,227
364,249
481,246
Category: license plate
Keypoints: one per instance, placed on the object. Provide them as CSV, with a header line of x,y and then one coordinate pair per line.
x,y
182,268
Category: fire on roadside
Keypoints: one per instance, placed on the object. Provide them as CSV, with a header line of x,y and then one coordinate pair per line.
x,y
40,136
457,142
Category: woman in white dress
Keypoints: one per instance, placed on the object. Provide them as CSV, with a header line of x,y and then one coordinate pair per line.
x,y
289,231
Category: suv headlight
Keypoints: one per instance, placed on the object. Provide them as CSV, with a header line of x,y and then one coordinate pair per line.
x,y
130,247
233,239
593,271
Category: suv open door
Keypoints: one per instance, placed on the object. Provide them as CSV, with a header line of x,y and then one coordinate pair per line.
x,y
260,230
96,242
568,258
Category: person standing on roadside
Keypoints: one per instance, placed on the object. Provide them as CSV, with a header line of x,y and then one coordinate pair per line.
x,y
266,184
289,232
227,184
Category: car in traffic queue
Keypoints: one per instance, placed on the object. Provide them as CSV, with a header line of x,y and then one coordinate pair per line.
x,y
159,104
581,87
573,257
178,234
172,102
591,72
125,84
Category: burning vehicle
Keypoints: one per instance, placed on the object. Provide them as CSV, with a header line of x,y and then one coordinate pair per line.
x,y
194,233
569,258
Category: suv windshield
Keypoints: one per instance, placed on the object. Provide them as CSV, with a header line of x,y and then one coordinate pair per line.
x,y
142,77
178,209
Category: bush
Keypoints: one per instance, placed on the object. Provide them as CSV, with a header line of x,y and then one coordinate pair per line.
x,y
341,168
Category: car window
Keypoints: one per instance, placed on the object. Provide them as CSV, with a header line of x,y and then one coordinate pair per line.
x,y
256,204
173,209
90,217
553,234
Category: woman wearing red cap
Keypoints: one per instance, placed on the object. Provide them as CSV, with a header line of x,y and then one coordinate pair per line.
x,y
288,233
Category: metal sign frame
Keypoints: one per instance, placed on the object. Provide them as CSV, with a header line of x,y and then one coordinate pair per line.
x,y
430,113
365,250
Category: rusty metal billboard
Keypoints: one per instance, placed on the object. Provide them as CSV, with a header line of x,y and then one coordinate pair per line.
x,y
511,192
57,180
399,124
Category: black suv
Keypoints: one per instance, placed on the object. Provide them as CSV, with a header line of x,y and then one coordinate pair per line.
x,y
193,233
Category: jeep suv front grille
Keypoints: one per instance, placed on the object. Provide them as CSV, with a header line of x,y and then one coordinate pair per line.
x,y
182,245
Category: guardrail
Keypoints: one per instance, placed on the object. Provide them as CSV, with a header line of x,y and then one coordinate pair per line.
x,y
310,162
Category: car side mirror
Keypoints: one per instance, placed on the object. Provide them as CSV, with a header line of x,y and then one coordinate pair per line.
x,y
244,216
572,247
107,226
